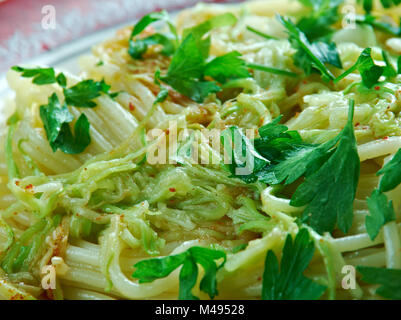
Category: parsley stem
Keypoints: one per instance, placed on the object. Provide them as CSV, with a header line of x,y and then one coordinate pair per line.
x,y
346,73
311,55
351,110
260,33
379,25
261,67
391,71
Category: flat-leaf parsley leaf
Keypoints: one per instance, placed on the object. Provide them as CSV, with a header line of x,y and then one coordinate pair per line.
x,y
287,282
156,268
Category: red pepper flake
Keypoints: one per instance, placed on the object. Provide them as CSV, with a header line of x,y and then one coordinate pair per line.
x,y
259,278
17,183
131,106
377,88
167,131
29,186
17,296
357,124
45,47
172,189
385,138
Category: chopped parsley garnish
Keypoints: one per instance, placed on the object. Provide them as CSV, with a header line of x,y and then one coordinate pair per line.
x,y
260,33
260,67
275,153
42,76
391,173
79,95
189,68
138,47
191,72
329,191
226,67
186,71
381,212
317,24
323,14
163,93
311,57
388,279
368,4
370,72
276,140
301,159
82,94
331,170
156,268
389,71
287,282
379,25
222,20
189,65
374,22
61,80
246,162
56,119
149,19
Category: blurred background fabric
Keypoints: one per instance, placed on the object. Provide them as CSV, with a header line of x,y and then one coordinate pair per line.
x,y
22,35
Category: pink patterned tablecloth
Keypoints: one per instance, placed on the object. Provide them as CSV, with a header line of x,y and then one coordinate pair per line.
x,y
22,35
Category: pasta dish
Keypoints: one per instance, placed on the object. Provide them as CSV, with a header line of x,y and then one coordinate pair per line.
x,y
247,151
